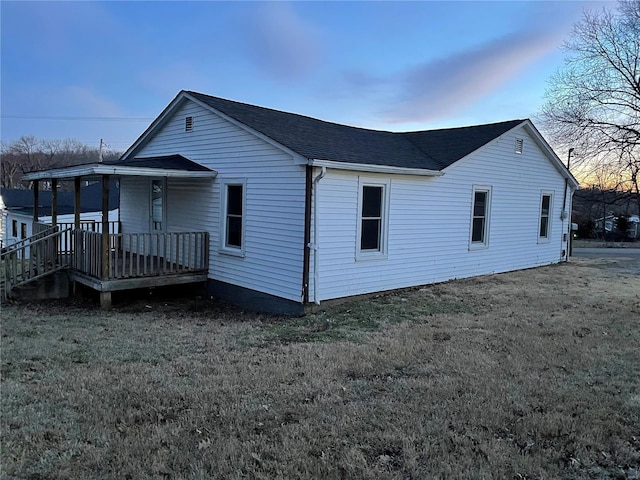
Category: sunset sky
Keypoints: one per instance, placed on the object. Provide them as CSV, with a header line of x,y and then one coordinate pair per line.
x,y
92,70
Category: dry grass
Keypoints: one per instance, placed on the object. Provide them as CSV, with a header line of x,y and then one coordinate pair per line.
x,y
526,375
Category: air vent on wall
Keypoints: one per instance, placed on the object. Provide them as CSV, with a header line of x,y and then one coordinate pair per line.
x,y
519,143
188,124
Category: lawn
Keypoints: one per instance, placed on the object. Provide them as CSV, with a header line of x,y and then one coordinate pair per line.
x,y
525,375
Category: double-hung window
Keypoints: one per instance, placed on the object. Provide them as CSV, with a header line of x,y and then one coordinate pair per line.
x,y
545,217
233,216
372,219
480,211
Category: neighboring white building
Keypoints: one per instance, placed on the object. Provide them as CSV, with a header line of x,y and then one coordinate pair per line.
x,y
16,210
608,223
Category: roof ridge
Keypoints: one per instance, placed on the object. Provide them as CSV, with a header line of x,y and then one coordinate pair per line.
x,y
250,105
300,115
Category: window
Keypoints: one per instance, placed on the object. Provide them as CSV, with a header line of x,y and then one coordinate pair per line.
x,y
14,228
480,217
519,145
372,221
158,200
545,217
23,230
188,124
233,201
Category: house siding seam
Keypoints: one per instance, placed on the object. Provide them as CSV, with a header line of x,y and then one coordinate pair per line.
x,y
430,218
274,233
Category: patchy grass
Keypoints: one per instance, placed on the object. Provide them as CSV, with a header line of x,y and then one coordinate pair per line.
x,y
525,375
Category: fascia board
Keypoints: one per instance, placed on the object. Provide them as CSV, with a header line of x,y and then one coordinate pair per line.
x,y
154,126
99,169
363,167
297,158
551,155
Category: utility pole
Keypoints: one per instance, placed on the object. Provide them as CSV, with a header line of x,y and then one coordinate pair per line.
x,y
100,151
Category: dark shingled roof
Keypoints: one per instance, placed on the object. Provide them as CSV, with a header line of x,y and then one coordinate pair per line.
x,y
170,162
21,201
319,140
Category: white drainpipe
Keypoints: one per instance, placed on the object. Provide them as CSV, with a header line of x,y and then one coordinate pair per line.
x,y
314,244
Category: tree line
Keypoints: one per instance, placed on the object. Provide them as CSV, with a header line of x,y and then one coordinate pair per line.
x,y
29,153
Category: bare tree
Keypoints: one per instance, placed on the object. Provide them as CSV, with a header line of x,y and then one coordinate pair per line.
x,y
29,153
593,102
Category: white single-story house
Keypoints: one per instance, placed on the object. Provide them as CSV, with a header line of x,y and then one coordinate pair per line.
x,y
299,210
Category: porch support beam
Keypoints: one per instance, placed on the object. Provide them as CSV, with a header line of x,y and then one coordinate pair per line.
x,y
36,199
105,227
54,201
76,202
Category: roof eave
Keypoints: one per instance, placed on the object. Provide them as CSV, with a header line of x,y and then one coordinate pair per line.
x,y
363,167
542,143
95,170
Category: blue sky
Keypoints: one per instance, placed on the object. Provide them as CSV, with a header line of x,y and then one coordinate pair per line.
x,y
92,70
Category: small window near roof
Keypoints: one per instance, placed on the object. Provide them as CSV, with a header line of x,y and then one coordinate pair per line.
x,y
519,143
188,124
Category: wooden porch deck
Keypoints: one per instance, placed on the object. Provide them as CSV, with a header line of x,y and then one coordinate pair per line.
x,y
138,260
127,261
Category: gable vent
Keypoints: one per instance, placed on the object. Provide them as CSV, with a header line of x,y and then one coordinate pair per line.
x,y
188,124
519,143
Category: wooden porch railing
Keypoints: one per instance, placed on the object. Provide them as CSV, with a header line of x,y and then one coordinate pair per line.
x,y
32,258
133,255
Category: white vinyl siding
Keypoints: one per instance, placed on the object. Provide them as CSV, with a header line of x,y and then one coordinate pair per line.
x,y
429,222
273,240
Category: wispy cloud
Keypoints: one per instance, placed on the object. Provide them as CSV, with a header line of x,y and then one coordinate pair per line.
x,y
280,42
439,88
168,79
89,102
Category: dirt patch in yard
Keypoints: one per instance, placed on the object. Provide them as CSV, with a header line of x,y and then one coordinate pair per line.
x,y
529,375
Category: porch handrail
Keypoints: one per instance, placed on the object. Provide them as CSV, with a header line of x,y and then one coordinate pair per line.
x,y
33,259
29,240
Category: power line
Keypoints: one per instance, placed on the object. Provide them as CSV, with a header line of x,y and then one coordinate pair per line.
x,y
77,118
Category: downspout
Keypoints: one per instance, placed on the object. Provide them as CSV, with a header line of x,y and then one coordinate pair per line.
x,y
314,245
308,185
564,214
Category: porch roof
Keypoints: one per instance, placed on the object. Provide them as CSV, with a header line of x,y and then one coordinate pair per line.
x,y
175,166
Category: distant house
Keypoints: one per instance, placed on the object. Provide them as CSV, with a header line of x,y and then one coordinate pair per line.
x,y
16,209
298,210
607,225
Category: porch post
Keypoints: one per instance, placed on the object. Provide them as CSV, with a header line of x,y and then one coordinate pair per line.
x,y
105,227
36,200
105,297
54,201
76,202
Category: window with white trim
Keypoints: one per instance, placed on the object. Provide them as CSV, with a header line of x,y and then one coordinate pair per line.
x,y
372,219
14,228
545,216
233,216
158,201
480,217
